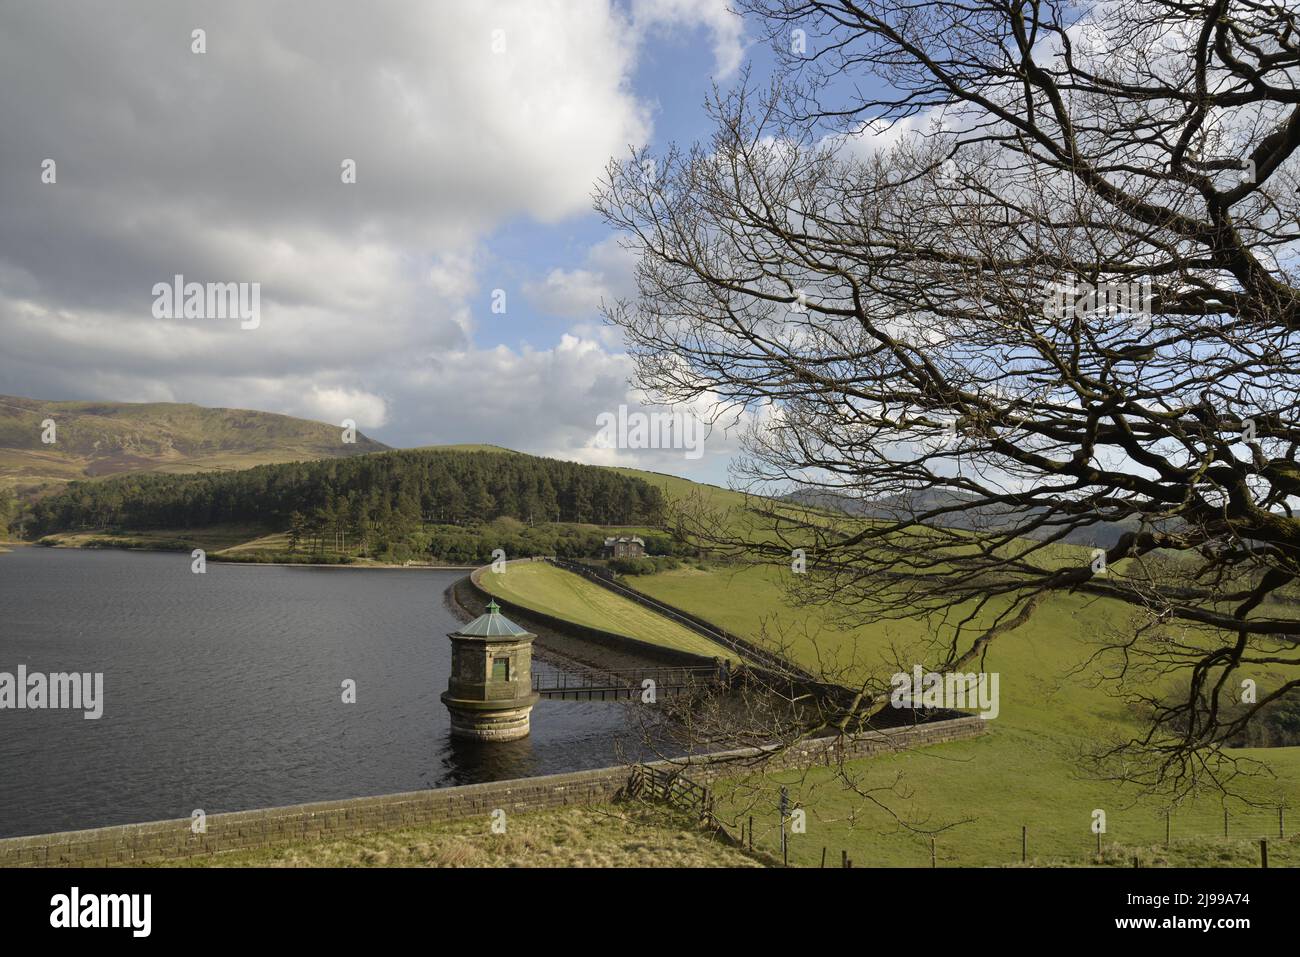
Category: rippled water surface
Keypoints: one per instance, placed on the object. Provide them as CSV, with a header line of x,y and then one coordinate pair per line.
x,y
222,690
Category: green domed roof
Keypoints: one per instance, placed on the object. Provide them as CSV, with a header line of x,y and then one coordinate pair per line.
x,y
492,625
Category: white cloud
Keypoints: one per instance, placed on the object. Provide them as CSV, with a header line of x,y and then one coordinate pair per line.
x,y
573,292
369,411
607,274
727,28
225,166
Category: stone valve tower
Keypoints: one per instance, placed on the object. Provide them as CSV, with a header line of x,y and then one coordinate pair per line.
x,y
490,692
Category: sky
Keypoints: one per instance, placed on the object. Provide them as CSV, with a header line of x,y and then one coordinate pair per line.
x,y
450,294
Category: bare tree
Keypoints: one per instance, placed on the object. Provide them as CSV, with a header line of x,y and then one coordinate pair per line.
x,y
1018,279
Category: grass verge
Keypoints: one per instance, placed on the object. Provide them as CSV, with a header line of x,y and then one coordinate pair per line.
x,y
614,835
561,594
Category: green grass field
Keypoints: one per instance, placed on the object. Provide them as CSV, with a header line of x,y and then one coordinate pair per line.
x,y
553,591
750,601
614,835
1024,772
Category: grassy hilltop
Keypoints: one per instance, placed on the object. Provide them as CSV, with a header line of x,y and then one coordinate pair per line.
x,y
96,439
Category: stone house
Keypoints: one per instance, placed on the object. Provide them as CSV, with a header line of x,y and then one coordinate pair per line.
x,y
623,548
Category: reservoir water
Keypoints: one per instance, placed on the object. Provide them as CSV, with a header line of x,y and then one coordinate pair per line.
x,y
223,690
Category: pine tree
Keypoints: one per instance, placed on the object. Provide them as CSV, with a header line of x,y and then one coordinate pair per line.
x,y
297,524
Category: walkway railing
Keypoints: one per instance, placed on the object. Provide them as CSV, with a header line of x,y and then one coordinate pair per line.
x,y
743,648
619,684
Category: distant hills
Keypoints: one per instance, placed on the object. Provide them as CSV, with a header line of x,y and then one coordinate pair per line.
x,y
983,517
95,439
255,486
103,439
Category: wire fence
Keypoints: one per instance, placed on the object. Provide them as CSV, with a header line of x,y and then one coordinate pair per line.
x,y
1126,841
1099,839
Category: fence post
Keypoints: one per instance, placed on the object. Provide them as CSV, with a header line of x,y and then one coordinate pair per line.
x,y
751,833
1263,852
1024,843
932,852
844,858
823,855
785,851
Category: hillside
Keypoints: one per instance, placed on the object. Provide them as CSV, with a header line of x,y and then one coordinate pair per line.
x,y
94,439
1049,715
966,515
395,506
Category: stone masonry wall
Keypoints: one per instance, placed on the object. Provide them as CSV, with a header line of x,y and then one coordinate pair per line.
x,y
157,841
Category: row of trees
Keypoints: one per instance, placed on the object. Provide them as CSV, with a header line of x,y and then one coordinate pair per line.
x,y
328,534
343,503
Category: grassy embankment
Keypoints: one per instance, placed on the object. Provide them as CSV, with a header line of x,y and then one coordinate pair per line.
x,y
614,835
1025,772
635,835
562,594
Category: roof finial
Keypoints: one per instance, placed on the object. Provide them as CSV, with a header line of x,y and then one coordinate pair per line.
x,y
493,608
